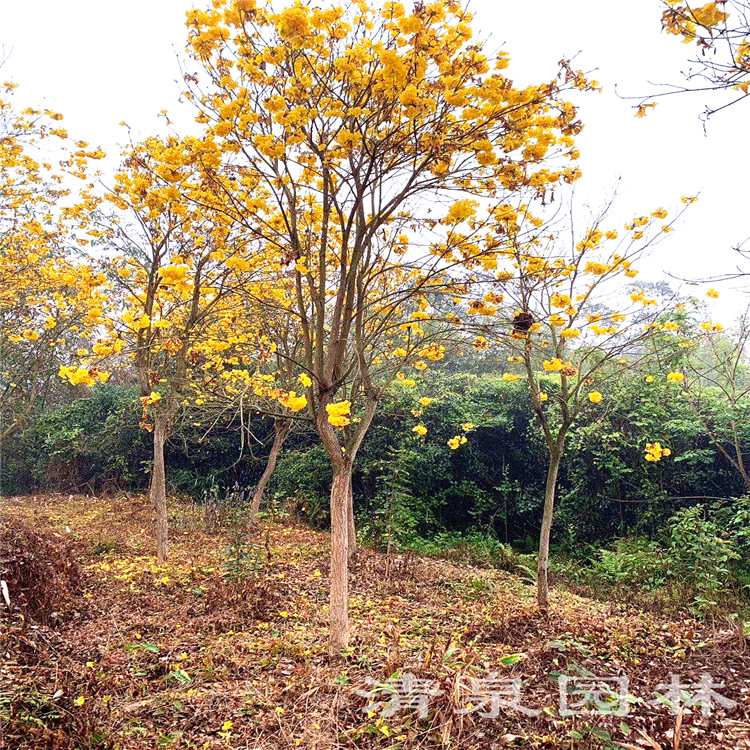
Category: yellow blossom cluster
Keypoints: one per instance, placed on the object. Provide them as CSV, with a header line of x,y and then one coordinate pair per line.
x,y
456,441
655,452
338,413
292,401
82,376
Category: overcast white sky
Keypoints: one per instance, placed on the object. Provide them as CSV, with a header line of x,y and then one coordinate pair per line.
x,y
100,63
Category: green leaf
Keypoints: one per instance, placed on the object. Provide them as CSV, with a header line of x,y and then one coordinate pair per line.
x,y
181,675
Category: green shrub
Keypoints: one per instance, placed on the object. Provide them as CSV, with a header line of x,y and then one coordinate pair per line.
x,y
695,560
88,445
700,556
631,561
477,549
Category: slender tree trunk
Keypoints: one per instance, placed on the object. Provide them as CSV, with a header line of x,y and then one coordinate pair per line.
x,y
10,430
740,457
159,487
339,579
341,496
542,565
281,429
352,529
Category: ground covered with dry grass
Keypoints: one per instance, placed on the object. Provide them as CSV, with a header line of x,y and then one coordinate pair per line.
x,y
225,646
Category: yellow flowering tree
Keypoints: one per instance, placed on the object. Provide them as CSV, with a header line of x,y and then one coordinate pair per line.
x,y
50,298
576,318
175,315
356,121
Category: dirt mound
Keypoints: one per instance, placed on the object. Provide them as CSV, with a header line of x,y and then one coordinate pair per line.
x,y
39,571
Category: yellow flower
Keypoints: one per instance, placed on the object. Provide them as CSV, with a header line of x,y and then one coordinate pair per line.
x,y
595,397
467,426
570,333
425,401
78,375
339,408
227,725
712,293
597,269
79,701
675,377
293,24
543,396
655,452
152,398
292,401
421,430
399,352
454,442
649,378
553,365
560,300
338,413
461,211
509,376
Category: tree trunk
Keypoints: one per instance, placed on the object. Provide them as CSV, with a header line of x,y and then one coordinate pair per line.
x,y
281,429
342,461
542,565
339,579
351,528
159,487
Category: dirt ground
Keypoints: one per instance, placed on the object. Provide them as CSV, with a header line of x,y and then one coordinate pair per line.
x,y
225,646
